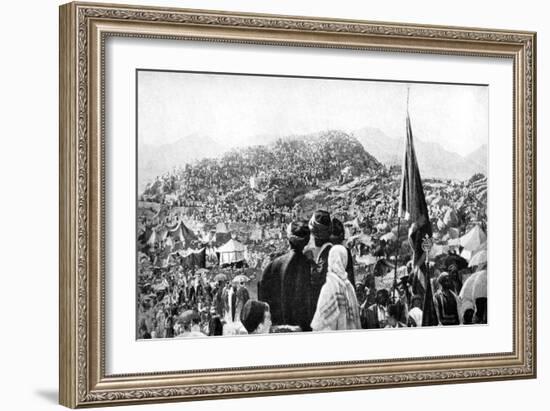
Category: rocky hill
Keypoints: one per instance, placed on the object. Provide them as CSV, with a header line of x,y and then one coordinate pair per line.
x,y
278,172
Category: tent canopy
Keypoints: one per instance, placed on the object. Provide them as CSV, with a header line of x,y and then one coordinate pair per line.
x,y
450,219
231,246
221,228
152,238
179,231
231,252
473,239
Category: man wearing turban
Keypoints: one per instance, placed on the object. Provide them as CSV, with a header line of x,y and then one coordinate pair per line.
x,y
286,281
321,228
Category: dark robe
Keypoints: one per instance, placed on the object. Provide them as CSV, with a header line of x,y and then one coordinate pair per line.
x,y
369,316
446,307
457,281
195,293
208,291
370,297
360,294
169,327
286,286
218,302
241,297
481,310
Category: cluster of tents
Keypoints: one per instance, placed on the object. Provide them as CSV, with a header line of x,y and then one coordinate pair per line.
x,y
178,240
177,236
473,244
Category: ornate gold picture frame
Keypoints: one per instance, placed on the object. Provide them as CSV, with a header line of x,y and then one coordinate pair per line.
x,y
84,28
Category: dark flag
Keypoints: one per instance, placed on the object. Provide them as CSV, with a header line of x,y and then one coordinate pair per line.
x,y
413,208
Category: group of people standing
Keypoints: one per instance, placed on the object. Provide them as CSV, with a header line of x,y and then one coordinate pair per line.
x,y
313,286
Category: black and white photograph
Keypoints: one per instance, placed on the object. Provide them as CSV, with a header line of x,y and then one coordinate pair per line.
x,y
286,204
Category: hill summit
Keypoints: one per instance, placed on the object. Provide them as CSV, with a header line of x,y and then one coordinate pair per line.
x,y
324,154
281,170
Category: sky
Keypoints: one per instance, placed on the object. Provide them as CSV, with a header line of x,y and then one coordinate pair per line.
x,y
234,109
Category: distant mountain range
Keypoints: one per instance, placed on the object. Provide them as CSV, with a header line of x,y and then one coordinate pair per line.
x,y
155,160
479,157
433,160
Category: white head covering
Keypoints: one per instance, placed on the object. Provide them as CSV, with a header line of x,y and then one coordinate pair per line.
x,y
338,260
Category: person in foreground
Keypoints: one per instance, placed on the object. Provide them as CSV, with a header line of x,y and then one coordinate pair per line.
x,y
320,227
415,313
286,281
446,302
394,313
255,319
376,315
337,307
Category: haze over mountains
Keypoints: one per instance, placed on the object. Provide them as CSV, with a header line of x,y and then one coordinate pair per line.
x,y
434,160
155,160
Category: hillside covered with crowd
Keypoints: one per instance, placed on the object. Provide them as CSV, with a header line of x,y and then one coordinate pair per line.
x,y
208,230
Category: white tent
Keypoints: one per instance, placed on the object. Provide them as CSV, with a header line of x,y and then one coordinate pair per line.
x,y
479,258
221,228
438,249
152,238
474,287
231,252
473,239
450,219
466,254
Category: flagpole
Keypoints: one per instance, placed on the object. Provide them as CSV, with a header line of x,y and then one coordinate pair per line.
x,y
398,225
396,256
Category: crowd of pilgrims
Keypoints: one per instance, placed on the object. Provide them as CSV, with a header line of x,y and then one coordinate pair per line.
x,y
305,267
311,287
255,184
